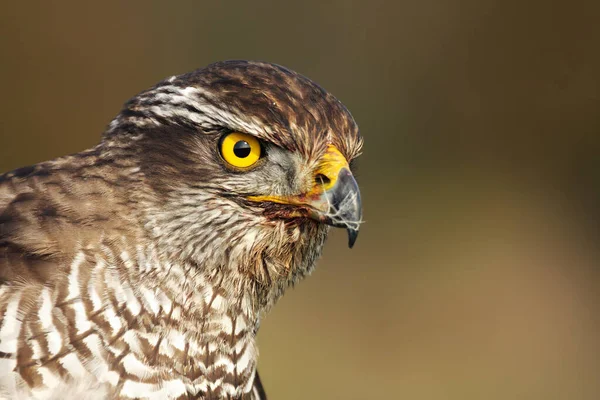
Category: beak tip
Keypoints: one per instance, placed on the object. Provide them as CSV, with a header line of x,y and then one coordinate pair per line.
x,y
352,235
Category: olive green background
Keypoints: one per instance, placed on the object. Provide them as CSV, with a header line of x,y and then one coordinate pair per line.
x,y
476,273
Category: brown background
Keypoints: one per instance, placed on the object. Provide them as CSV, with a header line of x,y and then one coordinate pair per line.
x,y
476,274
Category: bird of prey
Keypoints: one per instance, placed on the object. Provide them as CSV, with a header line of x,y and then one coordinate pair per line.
x,y
140,268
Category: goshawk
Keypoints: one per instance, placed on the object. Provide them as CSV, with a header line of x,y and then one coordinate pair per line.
x,y
140,268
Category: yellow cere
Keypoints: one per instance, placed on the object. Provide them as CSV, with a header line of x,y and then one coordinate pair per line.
x,y
240,149
330,166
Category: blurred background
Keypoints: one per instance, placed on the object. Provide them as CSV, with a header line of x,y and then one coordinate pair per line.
x,y
476,274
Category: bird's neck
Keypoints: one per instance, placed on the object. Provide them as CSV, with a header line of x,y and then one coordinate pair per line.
x,y
160,243
249,259
208,295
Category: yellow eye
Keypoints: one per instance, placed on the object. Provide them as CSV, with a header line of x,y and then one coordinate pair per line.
x,y
240,150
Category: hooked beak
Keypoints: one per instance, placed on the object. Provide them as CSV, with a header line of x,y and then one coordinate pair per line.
x,y
335,198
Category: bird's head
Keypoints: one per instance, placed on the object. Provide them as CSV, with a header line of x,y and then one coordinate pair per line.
x,y
247,165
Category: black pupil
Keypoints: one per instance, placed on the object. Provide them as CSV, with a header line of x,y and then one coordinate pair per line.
x,y
241,149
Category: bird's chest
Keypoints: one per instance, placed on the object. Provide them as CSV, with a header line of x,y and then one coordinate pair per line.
x,y
194,347
179,360
112,332
142,366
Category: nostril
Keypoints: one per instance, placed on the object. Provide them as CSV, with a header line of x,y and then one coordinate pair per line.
x,y
321,179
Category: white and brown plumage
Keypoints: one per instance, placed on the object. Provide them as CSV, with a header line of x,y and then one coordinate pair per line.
x,y
140,268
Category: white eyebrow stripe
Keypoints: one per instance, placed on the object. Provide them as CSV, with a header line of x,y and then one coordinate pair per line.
x,y
203,112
